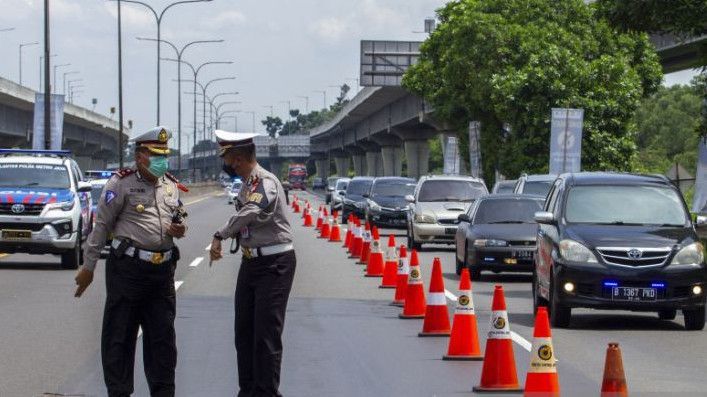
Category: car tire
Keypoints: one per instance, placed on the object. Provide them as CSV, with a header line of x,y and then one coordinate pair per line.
x,y
668,314
72,259
412,243
694,319
560,315
537,299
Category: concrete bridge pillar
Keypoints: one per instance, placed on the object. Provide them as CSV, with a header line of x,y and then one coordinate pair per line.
x,y
417,153
322,166
342,163
392,160
359,164
374,162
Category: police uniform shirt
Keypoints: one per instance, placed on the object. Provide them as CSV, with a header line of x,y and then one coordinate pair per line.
x,y
136,209
261,219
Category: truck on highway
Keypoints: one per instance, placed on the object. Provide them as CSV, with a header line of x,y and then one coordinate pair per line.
x,y
297,175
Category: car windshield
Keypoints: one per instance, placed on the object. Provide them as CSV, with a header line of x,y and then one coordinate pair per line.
x,y
505,187
393,188
358,187
507,211
446,190
331,182
625,205
96,191
342,185
537,188
34,175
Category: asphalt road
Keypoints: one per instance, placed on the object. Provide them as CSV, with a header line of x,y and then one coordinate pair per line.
x,y
341,336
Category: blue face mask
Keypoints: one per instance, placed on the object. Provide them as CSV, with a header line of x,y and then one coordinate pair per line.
x,y
158,166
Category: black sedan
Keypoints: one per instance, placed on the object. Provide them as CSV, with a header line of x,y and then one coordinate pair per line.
x,y
498,234
386,204
354,202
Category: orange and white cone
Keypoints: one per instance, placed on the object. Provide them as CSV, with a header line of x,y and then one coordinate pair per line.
x,y
436,313
499,371
335,234
320,216
357,243
326,226
375,264
614,382
297,207
390,270
366,244
349,234
415,305
308,219
401,282
542,379
464,342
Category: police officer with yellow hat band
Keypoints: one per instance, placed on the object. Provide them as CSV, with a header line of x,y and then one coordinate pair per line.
x,y
142,210
267,270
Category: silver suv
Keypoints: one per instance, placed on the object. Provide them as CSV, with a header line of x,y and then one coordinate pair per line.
x,y
435,207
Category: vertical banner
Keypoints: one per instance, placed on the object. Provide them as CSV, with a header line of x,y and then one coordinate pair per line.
x,y
56,118
699,200
450,150
475,149
566,140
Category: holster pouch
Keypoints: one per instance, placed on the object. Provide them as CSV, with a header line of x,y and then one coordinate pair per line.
x,y
122,247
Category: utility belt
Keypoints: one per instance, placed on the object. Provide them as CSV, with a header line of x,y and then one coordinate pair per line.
x,y
125,247
250,253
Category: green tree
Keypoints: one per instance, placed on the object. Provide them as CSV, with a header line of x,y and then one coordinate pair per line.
x,y
508,62
272,125
682,18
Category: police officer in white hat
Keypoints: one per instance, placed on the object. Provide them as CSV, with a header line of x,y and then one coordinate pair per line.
x,y
140,207
268,266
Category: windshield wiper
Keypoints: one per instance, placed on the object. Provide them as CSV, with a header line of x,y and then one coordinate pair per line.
x,y
30,184
497,222
620,223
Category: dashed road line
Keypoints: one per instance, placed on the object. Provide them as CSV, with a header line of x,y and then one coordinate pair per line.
x,y
208,248
196,261
522,342
203,198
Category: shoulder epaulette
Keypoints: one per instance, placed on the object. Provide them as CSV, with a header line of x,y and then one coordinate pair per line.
x,y
175,180
122,173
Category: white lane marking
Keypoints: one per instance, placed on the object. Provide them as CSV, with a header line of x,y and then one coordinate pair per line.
x,y
203,198
196,261
208,247
177,284
522,342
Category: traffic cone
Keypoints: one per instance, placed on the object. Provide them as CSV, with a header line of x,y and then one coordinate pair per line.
x,y
542,379
308,220
297,211
436,313
614,383
464,342
390,271
499,371
326,226
335,234
304,211
347,239
375,264
320,215
401,282
366,244
415,305
357,245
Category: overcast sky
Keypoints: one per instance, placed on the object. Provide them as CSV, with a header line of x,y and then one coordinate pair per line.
x,y
281,50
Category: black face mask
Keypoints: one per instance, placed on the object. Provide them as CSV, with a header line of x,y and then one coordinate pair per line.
x,y
229,170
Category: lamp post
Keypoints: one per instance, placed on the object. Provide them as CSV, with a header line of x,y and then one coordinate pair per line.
x,y
195,71
64,80
23,45
158,20
219,116
41,68
55,68
179,53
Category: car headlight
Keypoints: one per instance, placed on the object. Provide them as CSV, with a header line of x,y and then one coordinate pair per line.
x,y
490,243
690,254
425,218
373,205
576,252
64,206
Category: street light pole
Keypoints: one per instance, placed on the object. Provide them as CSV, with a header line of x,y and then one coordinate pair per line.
x,y
47,83
23,45
41,72
179,87
120,87
158,19
63,92
55,68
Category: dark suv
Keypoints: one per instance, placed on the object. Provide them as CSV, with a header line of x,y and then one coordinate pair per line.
x,y
619,242
354,200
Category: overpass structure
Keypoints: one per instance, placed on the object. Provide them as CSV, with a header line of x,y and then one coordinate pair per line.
x,y
92,137
676,55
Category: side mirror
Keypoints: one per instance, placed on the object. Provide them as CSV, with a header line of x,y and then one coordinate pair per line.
x,y
342,193
84,187
410,198
544,217
464,218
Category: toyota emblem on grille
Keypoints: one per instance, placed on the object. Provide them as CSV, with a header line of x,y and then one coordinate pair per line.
x,y
635,253
17,208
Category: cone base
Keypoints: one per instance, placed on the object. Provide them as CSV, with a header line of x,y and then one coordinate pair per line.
x,y
411,316
372,275
479,389
447,357
398,304
386,286
433,334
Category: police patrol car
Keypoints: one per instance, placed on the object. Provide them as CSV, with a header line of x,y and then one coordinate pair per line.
x,y
45,204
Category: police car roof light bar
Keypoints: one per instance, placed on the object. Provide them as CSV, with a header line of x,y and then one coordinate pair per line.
x,y
59,153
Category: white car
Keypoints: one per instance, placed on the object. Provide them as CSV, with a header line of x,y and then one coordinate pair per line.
x,y
233,191
337,198
45,205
